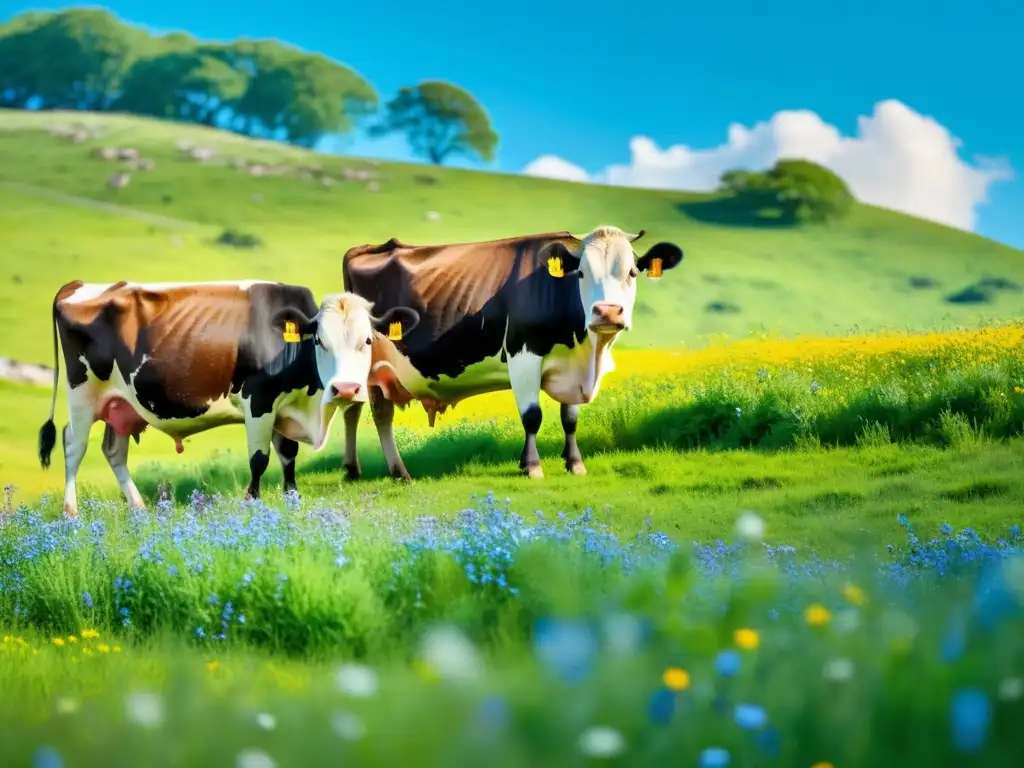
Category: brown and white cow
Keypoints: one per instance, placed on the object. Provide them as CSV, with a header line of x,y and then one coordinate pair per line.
x,y
186,357
531,314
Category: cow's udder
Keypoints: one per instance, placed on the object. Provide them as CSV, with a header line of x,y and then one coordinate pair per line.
x,y
122,417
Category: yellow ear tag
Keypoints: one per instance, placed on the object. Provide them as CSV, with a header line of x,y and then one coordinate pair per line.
x,y
555,267
395,332
291,332
654,270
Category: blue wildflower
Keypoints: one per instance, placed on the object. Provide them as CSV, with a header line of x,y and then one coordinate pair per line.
x,y
47,757
970,715
750,717
661,705
769,741
714,757
727,663
567,647
87,599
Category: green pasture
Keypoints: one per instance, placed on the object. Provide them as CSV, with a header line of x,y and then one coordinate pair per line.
x,y
877,269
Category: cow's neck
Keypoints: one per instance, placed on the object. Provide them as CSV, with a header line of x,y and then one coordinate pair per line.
x,y
596,356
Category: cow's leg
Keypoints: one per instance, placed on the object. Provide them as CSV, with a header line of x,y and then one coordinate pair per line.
x,y
75,439
571,451
383,411
259,433
115,448
351,418
286,451
524,372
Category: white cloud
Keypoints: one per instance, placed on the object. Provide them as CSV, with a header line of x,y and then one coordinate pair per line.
x,y
899,159
554,167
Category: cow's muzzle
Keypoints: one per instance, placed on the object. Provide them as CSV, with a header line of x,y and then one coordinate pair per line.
x,y
607,318
344,390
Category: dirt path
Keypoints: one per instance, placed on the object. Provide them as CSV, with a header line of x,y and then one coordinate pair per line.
x,y
113,208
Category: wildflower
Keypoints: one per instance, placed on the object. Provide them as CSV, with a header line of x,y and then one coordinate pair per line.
x,y
72,639
450,653
727,663
58,641
823,765
970,714
676,679
854,594
750,717
254,758
1011,689
116,649
67,705
145,709
747,639
661,705
568,647
213,666
817,615
769,741
601,741
713,757
87,599
838,670
47,757
356,680
266,721
89,634
103,648
750,527
846,620
347,726
623,633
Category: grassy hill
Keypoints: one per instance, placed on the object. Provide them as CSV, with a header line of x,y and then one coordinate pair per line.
x,y
60,222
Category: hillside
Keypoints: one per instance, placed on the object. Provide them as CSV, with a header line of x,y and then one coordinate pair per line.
x,y
60,221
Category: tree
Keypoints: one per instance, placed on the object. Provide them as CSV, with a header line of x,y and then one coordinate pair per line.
x,y
299,96
75,59
796,189
439,120
191,83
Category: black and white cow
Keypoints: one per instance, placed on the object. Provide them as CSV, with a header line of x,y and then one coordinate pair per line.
x,y
186,357
531,314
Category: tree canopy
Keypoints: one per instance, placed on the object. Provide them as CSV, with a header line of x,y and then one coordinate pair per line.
x,y
797,190
439,120
88,59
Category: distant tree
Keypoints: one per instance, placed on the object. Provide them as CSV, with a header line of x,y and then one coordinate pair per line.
x,y
797,190
439,120
298,96
74,59
807,190
192,83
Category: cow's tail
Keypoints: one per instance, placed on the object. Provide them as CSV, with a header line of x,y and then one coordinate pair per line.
x,y
48,432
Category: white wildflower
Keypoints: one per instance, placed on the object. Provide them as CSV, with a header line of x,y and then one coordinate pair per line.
x,y
750,526
601,741
356,680
145,709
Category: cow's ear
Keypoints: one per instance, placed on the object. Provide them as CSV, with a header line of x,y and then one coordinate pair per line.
x,y
570,261
669,253
296,319
396,323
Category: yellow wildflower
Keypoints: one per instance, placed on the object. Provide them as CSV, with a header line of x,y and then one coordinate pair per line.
x,y
72,639
676,679
58,641
854,594
747,639
8,638
90,633
103,648
116,649
817,615
86,650
823,765
213,666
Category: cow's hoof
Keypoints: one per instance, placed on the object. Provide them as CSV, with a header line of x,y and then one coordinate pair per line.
x,y
402,478
576,467
352,472
70,511
535,472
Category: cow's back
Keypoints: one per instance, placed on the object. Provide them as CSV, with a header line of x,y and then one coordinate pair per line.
x,y
179,345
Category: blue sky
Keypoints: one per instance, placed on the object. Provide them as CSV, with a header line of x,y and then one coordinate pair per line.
x,y
579,79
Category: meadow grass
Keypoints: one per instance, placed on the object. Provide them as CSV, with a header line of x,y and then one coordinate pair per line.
x,y
490,638
876,270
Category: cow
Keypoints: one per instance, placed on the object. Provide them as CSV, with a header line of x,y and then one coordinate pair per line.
x,y
186,357
532,313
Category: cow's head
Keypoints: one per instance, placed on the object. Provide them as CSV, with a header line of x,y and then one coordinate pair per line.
x,y
343,333
608,272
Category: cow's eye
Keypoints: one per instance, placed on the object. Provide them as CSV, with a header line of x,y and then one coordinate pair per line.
x,y
633,272
316,340
369,341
